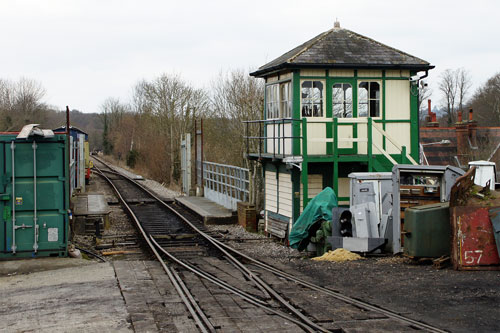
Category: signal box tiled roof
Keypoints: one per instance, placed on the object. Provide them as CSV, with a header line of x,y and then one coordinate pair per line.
x,y
342,48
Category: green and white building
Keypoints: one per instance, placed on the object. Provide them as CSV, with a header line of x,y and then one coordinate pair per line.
x,y
339,103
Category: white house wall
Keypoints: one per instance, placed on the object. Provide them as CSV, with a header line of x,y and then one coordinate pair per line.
x,y
343,189
401,132
341,73
314,187
397,99
397,73
279,131
345,132
369,73
312,72
285,195
316,133
271,193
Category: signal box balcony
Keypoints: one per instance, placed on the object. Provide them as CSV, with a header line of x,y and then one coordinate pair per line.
x,y
326,140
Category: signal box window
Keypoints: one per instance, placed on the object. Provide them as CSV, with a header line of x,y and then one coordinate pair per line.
x,y
342,100
286,100
279,100
272,104
312,99
369,99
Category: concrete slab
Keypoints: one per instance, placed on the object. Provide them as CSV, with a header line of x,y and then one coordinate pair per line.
x,y
211,212
66,296
27,266
91,204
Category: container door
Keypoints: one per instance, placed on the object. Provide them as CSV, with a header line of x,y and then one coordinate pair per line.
x,y
4,208
37,219
344,109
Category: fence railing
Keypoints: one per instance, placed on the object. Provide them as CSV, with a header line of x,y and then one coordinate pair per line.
x,y
225,184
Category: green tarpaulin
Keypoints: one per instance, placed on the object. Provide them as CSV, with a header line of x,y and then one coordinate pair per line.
x,y
318,209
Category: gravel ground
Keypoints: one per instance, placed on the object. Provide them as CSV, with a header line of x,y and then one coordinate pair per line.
x,y
153,185
457,301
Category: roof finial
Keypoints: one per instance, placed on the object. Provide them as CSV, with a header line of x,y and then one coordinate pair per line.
x,y
336,24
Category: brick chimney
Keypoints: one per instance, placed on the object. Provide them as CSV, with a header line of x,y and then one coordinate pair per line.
x,y
462,132
432,116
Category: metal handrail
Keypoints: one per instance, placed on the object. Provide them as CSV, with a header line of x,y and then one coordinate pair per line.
x,y
230,181
335,123
275,139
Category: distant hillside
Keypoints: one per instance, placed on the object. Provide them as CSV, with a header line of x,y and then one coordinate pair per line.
x,y
87,122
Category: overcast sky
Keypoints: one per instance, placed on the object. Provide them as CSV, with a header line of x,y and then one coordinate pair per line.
x,y
83,51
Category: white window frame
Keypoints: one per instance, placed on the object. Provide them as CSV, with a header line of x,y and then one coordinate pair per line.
x,y
343,101
275,104
323,101
370,99
286,110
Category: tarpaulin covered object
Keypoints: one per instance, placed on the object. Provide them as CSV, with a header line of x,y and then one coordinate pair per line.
x,y
318,209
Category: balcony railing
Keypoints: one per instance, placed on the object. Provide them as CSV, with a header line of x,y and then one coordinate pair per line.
x,y
272,144
272,140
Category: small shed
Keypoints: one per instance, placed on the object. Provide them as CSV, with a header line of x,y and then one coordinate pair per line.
x,y
79,158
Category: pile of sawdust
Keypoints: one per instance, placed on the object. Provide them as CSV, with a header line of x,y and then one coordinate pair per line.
x,y
339,255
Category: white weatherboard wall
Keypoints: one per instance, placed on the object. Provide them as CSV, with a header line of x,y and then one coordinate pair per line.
x,y
341,73
279,143
278,195
271,192
397,107
316,134
314,187
285,195
344,189
376,137
281,194
345,132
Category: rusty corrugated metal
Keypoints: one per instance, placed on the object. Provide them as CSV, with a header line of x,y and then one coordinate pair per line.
x,y
495,221
473,245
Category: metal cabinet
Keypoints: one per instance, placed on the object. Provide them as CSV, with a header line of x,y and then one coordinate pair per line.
x,y
427,231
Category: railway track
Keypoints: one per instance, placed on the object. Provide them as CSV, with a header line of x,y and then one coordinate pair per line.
x,y
185,248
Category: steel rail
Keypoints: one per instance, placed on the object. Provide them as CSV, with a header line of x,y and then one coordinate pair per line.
x,y
207,276
336,294
306,322
330,292
198,315
249,298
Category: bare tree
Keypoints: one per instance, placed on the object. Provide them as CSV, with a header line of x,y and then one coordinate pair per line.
x,y
237,97
463,86
163,109
455,86
21,103
486,102
424,93
112,112
448,86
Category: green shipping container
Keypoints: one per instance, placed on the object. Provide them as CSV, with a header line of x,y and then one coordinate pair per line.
x,y
427,231
34,196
